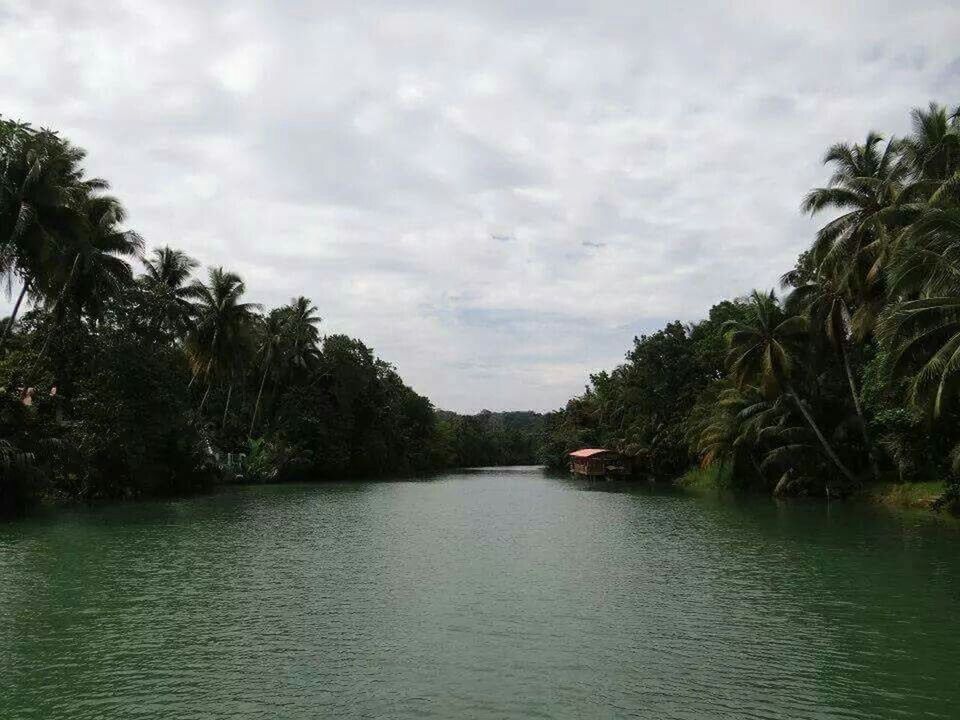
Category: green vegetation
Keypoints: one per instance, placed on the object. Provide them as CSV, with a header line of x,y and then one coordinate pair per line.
x,y
910,495
702,480
488,438
849,378
118,384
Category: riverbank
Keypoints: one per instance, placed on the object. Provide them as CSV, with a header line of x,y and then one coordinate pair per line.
x,y
917,496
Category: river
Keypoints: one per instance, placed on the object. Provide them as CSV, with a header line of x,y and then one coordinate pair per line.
x,y
498,593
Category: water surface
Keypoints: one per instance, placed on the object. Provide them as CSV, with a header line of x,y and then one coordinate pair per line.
x,y
488,594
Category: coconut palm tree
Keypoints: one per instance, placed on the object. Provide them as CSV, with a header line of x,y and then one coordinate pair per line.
x,y
925,336
715,425
221,328
236,366
42,185
826,304
924,252
926,258
90,267
933,147
762,354
166,279
853,247
289,338
301,333
924,329
270,349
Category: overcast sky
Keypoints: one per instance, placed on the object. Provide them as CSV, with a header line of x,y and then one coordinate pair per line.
x,y
495,196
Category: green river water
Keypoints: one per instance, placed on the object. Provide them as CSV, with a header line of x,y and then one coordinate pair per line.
x,y
500,593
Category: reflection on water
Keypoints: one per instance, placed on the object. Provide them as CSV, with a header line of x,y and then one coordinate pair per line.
x,y
490,593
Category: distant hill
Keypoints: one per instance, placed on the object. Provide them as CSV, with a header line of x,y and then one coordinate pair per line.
x,y
491,438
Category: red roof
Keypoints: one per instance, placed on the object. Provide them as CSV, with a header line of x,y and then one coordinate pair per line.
x,y
588,452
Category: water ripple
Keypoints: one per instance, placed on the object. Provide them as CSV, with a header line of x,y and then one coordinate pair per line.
x,y
479,595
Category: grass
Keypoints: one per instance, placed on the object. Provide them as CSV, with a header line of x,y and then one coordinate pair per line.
x,y
907,495
702,480
918,495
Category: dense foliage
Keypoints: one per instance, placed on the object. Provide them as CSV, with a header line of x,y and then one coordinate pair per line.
x,y
121,384
852,375
489,438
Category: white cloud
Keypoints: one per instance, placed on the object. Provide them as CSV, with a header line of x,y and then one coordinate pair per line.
x,y
495,196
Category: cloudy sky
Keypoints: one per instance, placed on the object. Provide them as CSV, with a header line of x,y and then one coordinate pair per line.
x,y
496,196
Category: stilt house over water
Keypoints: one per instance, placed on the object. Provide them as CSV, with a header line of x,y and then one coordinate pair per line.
x,y
597,462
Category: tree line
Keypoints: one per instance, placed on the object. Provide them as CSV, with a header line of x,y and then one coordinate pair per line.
x,y
490,438
850,374
119,383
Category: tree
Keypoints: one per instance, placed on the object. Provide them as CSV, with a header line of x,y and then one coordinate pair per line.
x,y
300,333
923,330
288,343
270,348
221,331
852,249
166,281
42,187
89,270
827,307
865,183
933,147
763,354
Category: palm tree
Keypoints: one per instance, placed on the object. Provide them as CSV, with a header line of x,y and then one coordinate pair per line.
x,y
924,251
165,278
762,353
270,349
933,147
865,186
925,336
289,338
222,326
41,186
827,305
714,425
926,258
92,268
89,268
235,368
301,332
924,329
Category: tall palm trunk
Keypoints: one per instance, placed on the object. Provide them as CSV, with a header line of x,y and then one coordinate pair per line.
x,y
859,410
203,400
256,405
226,407
13,315
816,431
56,323
213,351
274,396
206,371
